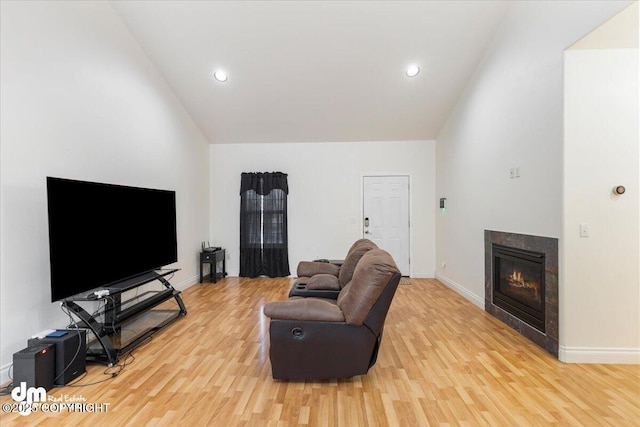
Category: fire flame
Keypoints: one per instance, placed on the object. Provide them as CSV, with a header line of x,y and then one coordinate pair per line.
x,y
517,280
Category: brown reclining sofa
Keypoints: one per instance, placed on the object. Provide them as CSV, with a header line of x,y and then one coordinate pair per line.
x,y
320,338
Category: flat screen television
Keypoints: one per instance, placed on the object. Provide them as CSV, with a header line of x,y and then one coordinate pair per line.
x,y
102,234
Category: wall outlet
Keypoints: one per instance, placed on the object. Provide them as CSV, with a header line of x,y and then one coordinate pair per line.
x,y
443,264
512,173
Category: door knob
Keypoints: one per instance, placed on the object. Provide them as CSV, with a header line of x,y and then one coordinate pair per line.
x,y
367,232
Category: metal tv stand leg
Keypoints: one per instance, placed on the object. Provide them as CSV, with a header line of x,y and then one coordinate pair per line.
x,y
97,329
178,298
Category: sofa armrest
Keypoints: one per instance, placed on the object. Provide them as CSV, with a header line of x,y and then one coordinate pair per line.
x,y
311,309
322,281
309,268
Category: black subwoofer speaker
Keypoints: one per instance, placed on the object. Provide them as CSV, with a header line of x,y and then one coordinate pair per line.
x,y
35,365
71,354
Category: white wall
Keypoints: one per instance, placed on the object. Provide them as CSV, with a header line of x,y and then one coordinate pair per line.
x,y
81,100
509,115
600,272
324,204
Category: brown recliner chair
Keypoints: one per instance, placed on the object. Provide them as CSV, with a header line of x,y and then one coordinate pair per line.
x,y
323,280
317,338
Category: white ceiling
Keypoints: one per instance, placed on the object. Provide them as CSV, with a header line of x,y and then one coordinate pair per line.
x,y
306,71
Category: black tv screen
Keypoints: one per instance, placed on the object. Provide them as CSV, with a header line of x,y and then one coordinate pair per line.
x,y
101,234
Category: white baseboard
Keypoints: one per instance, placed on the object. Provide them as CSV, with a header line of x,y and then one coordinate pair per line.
x,y
422,276
4,373
476,299
185,284
601,355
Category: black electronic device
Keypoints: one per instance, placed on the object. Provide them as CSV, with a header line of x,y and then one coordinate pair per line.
x,y
35,366
70,354
130,230
206,247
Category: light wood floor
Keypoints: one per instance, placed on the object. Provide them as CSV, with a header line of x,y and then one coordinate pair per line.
x,y
443,362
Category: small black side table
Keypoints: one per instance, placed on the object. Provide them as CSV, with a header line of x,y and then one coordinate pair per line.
x,y
213,258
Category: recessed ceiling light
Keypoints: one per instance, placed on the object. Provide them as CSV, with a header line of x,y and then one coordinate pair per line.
x,y
220,76
413,70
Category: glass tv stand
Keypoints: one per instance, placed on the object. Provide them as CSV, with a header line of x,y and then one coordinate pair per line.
x,y
123,320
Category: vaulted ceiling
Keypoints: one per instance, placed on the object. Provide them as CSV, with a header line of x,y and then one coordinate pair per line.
x,y
306,71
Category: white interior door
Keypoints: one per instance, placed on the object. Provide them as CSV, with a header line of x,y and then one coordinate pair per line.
x,y
386,216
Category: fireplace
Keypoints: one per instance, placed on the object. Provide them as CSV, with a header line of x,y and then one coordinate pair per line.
x,y
518,283
521,285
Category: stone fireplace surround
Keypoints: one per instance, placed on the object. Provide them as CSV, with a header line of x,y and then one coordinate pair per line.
x,y
549,246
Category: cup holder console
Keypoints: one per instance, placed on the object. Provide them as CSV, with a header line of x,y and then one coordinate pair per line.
x,y
302,290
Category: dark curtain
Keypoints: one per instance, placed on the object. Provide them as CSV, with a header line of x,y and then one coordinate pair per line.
x,y
250,233
264,248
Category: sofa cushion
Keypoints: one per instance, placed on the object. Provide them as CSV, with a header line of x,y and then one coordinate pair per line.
x,y
373,272
356,252
358,243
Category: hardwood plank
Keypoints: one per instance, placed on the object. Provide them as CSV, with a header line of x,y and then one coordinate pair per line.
x,y
443,361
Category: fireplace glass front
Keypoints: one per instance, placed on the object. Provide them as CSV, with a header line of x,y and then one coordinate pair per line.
x,y
518,283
